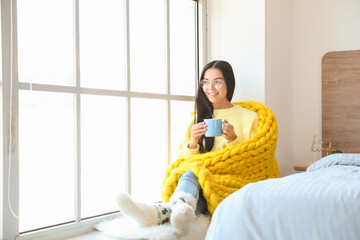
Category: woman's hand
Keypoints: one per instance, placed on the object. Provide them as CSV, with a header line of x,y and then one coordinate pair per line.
x,y
228,132
197,131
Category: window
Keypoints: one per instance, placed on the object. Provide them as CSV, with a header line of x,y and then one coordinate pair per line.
x,y
102,92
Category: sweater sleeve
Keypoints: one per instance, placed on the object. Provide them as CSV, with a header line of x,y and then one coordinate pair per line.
x,y
235,142
254,127
184,150
250,131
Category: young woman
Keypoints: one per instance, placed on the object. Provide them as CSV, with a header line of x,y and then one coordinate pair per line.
x,y
216,88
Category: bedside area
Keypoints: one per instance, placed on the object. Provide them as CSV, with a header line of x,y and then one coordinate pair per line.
x,y
301,167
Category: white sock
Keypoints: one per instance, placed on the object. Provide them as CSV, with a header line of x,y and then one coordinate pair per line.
x,y
183,211
144,214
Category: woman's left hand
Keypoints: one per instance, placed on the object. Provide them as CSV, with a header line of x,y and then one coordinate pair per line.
x,y
228,132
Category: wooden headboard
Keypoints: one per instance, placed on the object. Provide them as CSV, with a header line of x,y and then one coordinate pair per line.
x,y
341,101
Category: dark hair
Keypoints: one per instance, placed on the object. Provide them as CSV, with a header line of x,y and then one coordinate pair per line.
x,y
204,107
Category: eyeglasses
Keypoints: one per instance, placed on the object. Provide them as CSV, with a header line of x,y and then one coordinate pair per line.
x,y
216,83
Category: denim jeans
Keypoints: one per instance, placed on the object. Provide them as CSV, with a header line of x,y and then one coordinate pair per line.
x,y
188,183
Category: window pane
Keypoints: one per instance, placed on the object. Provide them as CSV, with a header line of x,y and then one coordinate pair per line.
x,y
182,47
103,145
180,119
46,158
45,41
148,148
102,44
147,46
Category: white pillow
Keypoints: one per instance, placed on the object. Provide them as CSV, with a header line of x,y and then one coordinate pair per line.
x,y
352,159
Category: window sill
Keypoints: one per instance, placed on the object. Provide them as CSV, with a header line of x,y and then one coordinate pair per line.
x,y
67,230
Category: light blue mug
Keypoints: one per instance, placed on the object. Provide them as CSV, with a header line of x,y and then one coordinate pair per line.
x,y
214,127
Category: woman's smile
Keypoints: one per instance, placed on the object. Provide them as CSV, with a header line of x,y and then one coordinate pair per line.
x,y
214,87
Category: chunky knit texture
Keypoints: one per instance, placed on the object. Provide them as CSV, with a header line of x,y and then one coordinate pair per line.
x,y
224,172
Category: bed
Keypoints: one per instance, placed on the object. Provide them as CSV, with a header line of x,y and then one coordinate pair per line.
x,y
324,201
321,203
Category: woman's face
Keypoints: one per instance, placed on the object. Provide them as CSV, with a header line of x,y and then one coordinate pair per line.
x,y
214,87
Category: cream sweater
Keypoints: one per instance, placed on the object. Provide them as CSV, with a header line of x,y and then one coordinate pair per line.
x,y
245,124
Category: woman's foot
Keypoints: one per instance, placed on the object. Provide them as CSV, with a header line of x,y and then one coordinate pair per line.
x,y
145,215
183,211
181,218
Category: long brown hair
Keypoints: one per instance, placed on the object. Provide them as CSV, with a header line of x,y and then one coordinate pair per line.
x,y
204,107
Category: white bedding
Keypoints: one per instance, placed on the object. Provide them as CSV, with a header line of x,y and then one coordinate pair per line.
x,y
322,203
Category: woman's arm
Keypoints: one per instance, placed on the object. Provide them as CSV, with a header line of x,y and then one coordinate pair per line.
x,y
248,129
189,145
229,132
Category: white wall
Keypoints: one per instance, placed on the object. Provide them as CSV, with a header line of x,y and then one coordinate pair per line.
x,y
318,27
278,84
297,34
233,39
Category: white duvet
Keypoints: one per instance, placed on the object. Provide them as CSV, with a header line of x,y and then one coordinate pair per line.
x,y
322,203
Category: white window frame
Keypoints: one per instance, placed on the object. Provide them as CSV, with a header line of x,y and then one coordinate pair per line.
x,y
9,229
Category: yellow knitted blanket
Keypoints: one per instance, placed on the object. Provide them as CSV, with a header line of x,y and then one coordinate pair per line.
x,y
224,172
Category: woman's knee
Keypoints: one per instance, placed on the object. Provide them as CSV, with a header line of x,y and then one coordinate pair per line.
x,y
188,176
189,173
